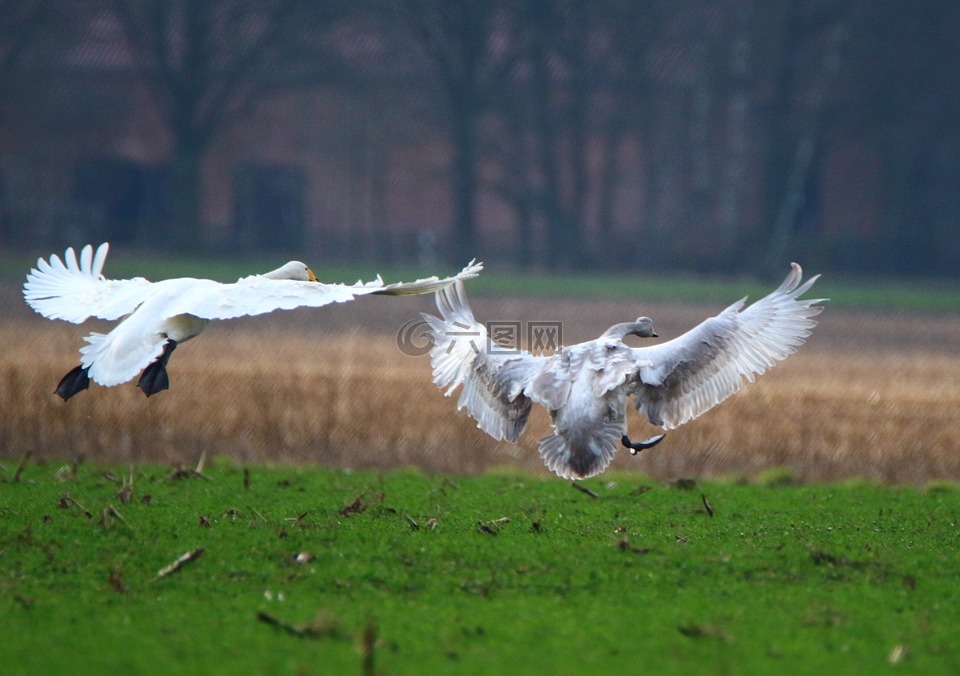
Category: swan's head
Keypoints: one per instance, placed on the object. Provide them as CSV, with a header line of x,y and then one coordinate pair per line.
x,y
294,270
643,328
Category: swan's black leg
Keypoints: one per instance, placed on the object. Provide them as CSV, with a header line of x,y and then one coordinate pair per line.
x,y
154,377
75,381
637,446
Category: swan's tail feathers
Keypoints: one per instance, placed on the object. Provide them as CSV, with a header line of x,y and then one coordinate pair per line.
x,y
118,356
430,284
77,380
583,455
154,377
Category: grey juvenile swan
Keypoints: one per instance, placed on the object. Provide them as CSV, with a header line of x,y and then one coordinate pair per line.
x,y
585,386
157,316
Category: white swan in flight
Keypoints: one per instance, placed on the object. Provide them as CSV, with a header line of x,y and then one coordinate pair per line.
x,y
585,386
157,316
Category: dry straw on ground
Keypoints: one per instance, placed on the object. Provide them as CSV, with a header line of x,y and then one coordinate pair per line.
x,y
871,395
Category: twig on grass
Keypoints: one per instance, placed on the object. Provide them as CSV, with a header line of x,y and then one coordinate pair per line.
x,y
358,506
298,519
703,631
23,463
65,501
323,625
115,580
125,492
109,512
492,527
583,489
706,505
201,462
368,644
179,472
181,561
283,626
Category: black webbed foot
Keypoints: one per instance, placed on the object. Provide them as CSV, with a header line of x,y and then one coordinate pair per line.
x,y
154,378
637,446
75,381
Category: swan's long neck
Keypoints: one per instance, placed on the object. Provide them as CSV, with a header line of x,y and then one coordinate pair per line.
x,y
642,328
621,331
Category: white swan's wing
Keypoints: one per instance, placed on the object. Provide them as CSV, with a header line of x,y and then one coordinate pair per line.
x,y
683,378
257,295
75,290
493,381
430,284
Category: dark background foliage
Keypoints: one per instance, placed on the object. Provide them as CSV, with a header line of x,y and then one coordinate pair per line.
x,y
725,136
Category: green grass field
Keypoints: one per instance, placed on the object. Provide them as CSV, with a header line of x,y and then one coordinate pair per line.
x,y
403,572
503,573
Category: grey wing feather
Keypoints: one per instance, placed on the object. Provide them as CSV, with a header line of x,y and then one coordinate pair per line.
x,y
683,378
492,383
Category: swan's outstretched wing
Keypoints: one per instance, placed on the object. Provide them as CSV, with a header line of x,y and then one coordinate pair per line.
x,y
430,284
683,378
75,290
256,295
493,381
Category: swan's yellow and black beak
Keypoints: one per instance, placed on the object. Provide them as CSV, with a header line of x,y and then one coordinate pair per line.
x,y
311,276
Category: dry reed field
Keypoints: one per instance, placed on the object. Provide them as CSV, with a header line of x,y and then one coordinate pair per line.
x,y
873,395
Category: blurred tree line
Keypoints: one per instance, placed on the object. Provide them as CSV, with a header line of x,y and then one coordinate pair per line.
x,y
571,134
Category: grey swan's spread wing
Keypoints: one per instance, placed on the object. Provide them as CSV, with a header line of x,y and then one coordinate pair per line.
x,y
493,381
683,378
